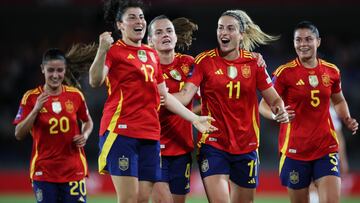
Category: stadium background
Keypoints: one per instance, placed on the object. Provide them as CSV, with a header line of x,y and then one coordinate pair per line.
x,y
30,27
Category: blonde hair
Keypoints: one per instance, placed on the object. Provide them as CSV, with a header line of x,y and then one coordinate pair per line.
x,y
253,36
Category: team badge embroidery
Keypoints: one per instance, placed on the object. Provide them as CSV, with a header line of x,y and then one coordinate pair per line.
x,y
123,163
313,80
232,72
175,74
245,71
142,55
39,195
325,80
185,69
204,165
69,106
56,107
152,56
294,177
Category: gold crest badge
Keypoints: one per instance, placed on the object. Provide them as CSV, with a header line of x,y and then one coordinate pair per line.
x,y
246,71
175,74
142,55
69,106
313,80
185,68
232,72
123,163
294,177
326,80
204,165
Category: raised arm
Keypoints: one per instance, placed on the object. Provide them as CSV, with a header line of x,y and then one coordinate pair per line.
x,y
98,69
342,110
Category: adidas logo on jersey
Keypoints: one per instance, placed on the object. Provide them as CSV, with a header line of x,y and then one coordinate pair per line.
x,y
252,181
130,56
300,82
219,72
43,110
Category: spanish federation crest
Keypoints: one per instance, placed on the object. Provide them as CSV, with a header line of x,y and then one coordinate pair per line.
x,y
313,80
69,106
39,195
232,72
175,74
325,80
245,71
56,107
142,55
294,177
204,165
123,163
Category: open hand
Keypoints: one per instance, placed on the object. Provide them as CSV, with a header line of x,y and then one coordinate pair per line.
x,y
202,124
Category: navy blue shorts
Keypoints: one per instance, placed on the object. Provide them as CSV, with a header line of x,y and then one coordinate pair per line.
x,y
70,192
242,169
296,174
132,157
175,170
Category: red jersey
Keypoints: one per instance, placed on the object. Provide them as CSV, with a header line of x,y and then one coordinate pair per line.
x,y
131,108
176,133
55,157
228,92
310,135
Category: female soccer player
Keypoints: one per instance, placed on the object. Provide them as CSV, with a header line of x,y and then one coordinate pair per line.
x,y
228,78
308,144
130,128
51,114
176,139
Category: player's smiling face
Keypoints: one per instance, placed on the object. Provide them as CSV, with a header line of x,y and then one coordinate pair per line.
x,y
163,37
306,43
133,25
54,72
228,34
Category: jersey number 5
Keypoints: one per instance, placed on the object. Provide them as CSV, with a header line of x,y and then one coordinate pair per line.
x,y
315,100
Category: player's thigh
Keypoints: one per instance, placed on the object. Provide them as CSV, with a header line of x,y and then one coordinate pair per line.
x,y
217,188
161,193
126,187
299,195
241,194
